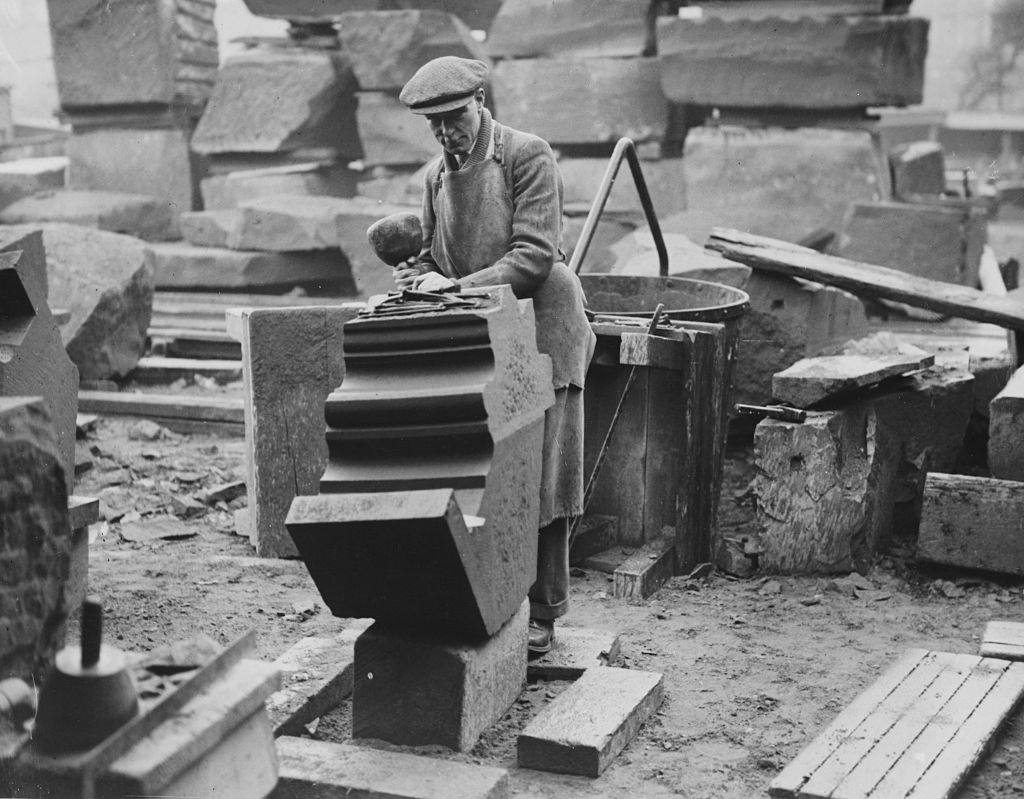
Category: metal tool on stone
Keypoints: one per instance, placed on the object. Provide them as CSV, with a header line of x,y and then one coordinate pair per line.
x,y
783,413
88,695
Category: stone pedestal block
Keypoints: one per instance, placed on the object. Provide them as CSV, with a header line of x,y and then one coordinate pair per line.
x,y
917,168
276,99
936,242
231,189
585,28
146,51
291,361
834,62
582,100
1006,430
142,216
27,176
390,134
34,361
385,48
35,538
416,689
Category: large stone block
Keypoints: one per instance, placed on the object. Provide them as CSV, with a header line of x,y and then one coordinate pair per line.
x,y
417,689
477,14
390,134
585,28
180,266
231,189
636,254
937,242
27,176
35,538
275,99
400,438
917,167
103,279
291,361
665,179
138,215
385,48
34,361
834,62
1007,240
582,100
1006,430
145,51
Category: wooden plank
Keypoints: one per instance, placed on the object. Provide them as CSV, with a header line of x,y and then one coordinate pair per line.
x,y
973,522
167,406
868,280
971,739
1001,651
645,571
640,349
790,780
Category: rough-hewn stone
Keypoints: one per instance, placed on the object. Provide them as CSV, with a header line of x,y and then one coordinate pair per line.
x,y
1006,430
274,99
142,51
35,540
390,134
665,179
585,28
419,688
582,100
637,255
230,189
834,62
27,176
138,215
385,48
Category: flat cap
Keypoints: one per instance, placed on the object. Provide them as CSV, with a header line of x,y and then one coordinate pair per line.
x,y
443,84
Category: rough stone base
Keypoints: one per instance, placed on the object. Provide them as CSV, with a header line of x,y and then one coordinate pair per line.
x,y
1006,430
416,690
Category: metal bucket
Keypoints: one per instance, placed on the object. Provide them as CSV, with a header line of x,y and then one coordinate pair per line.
x,y
684,299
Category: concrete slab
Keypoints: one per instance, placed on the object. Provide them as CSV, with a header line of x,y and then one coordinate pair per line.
x,y
573,651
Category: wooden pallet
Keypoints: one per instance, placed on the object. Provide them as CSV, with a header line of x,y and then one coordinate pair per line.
x,y
1004,640
916,732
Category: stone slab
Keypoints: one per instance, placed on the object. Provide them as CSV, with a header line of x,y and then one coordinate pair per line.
x,y
813,380
573,651
138,215
582,100
316,676
917,167
532,28
151,51
1007,240
1006,430
292,359
419,689
636,255
937,242
586,727
317,768
839,62
1003,639
385,48
180,266
645,571
27,176
268,100
231,189
35,362
390,135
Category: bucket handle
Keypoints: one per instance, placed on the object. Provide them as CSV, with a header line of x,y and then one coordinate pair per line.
x,y
624,148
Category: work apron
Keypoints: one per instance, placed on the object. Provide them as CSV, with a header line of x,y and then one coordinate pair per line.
x,y
473,211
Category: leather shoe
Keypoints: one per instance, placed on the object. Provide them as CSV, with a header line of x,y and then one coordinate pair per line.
x,y
542,631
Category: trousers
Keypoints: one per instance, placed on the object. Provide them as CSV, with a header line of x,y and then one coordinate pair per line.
x,y
549,594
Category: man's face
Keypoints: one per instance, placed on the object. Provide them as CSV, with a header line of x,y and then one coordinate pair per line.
x,y
456,130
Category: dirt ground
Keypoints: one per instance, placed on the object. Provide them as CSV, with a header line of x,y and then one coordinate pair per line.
x,y
753,668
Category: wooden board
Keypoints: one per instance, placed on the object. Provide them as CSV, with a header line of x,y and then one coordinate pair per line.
x,y
917,731
1003,639
972,522
867,280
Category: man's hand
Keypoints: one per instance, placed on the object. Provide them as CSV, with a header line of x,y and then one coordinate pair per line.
x,y
432,281
406,272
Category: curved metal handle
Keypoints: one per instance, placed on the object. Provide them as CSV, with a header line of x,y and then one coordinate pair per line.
x,y
624,148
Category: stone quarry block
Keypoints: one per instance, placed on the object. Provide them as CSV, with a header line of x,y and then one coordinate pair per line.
x,y
582,100
1007,240
644,572
665,179
637,255
35,539
812,380
1006,430
27,176
307,768
230,189
34,361
145,161
269,99
390,134
936,242
385,48
292,359
531,28
180,266
599,258
573,651
973,522
917,167
835,62
151,51
400,438
399,184
105,281
586,727
136,215
417,688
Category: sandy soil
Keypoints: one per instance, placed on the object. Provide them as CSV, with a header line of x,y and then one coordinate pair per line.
x,y
753,668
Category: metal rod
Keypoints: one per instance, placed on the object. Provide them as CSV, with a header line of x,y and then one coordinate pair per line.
x,y
91,632
624,148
